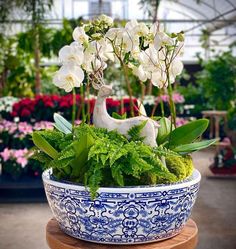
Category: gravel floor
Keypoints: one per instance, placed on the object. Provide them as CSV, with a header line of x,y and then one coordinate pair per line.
x,y
22,226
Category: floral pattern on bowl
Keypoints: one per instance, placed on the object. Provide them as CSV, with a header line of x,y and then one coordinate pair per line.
x,y
125,215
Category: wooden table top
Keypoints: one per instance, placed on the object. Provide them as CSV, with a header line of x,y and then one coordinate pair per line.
x,y
56,239
214,113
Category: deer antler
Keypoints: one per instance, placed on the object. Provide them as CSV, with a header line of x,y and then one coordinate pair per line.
x,y
97,80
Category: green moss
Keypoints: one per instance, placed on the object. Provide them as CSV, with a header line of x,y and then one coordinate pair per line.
x,y
176,166
188,162
181,167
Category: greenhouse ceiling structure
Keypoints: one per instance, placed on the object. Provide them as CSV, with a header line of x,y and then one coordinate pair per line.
x,y
209,25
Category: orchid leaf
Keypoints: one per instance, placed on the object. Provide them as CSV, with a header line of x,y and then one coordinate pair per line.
x,y
188,148
44,146
81,149
187,133
62,124
163,130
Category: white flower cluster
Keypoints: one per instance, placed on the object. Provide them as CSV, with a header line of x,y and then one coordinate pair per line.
x,y
148,51
6,103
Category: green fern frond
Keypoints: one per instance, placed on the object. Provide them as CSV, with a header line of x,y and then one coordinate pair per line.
x,y
116,154
135,131
65,141
52,137
97,157
117,174
41,157
68,152
63,159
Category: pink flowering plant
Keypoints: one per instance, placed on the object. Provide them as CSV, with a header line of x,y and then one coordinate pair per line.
x,y
153,105
18,135
16,163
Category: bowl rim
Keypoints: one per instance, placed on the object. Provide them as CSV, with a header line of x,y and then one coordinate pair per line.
x,y
191,180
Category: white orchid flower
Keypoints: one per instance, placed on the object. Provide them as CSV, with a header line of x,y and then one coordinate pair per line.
x,y
140,73
127,42
149,59
107,19
141,29
80,36
159,79
98,64
131,25
107,52
104,50
162,39
88,58
135,52
162,54
176,67
68,77
92,63
154,28
113,33
135,30
72,53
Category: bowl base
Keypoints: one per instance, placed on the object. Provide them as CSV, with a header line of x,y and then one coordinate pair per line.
x,y
103,242
56,238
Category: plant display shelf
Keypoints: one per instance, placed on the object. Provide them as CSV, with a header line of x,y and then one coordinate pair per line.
x,y
26,189
215,116
212,175
222,172
56,239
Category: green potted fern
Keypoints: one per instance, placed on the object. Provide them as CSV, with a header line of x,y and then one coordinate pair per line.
x,y
121,180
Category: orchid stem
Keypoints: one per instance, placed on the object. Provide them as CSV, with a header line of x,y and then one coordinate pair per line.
x,y
162,103
129,89
73,108
82,103
88,102
172,105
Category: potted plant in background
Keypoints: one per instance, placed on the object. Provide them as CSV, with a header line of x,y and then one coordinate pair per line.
x,y
120,181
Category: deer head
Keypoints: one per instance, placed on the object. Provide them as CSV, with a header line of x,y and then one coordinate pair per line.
x,y
105,91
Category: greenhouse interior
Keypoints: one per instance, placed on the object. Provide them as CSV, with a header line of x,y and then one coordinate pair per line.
x,y
118,124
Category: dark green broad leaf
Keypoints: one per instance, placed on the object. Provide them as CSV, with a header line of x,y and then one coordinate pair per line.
x,y
187,148
163,130
187,133
81,148
44,146
62,124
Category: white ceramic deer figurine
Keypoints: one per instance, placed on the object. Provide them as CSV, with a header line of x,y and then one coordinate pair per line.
x,y
102,119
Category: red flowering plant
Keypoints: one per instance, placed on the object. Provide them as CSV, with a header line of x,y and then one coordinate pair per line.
x,y
39,108
42,107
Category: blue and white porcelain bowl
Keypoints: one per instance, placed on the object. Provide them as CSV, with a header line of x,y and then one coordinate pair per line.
x,y
127,215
